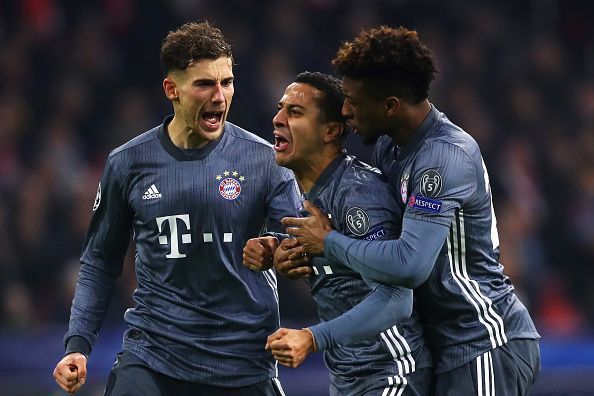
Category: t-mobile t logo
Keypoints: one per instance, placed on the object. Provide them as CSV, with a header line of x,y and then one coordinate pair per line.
x,y
185,238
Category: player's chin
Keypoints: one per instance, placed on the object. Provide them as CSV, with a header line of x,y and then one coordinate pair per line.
x,y
211,134
283,159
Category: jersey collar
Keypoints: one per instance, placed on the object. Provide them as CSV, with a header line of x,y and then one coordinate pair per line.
x,y
325,177
185,154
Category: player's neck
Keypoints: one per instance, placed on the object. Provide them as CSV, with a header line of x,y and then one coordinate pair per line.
x,y
308,174
183,137
409,122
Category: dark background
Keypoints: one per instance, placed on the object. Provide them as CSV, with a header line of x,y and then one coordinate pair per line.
x,y
78,78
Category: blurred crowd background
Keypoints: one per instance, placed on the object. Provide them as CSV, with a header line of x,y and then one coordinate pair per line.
x,y
79,78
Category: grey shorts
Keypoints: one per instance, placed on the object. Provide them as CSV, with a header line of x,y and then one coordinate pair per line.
x,y
131,376
508,370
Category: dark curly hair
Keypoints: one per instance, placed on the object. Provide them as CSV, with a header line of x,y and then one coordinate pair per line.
x,y
190,43
331,102
392,61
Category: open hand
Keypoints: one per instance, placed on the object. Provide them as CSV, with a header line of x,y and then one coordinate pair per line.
x,y
309,231
290,261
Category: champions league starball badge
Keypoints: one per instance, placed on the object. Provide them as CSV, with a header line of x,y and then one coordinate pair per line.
x,y
357,221
229,187
431,183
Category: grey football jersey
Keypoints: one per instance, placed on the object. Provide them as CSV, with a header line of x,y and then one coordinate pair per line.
x,y
361,205
467,305
199,314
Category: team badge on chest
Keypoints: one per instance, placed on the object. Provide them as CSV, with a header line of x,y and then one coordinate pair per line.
x,y
404,187
230,186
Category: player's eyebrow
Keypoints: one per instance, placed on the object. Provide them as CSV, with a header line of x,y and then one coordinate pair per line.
x,y
212,80
204,81
290,106
295,106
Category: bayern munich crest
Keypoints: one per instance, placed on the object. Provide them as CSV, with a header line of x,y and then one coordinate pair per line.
x,y
404,187
229,187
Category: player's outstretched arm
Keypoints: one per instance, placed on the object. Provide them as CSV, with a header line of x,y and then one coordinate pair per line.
x,y
71,372
380,310
406,261
258,253
290,347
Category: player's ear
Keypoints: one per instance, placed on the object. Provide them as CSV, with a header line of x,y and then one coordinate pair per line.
x,y
170,89
333,131
392,105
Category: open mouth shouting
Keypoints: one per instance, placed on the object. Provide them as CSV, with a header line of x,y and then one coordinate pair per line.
x,y
281,143
212,120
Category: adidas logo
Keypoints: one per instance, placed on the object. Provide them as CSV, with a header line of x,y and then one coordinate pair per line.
x,y
152,193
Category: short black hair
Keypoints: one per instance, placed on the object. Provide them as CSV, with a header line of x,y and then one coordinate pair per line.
x,y
331,102
191,43
391,61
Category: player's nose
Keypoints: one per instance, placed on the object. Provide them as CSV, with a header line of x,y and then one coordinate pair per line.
x,y
280,119
347,111
217,95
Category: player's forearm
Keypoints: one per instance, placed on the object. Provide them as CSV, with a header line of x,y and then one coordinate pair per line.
x,y
380,310
406,261
91,300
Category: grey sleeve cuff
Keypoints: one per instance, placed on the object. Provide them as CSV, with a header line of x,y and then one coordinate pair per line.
x,y
78,344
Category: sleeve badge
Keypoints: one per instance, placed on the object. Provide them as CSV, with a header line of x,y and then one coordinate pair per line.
x,y
97,198
357,221
431,183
